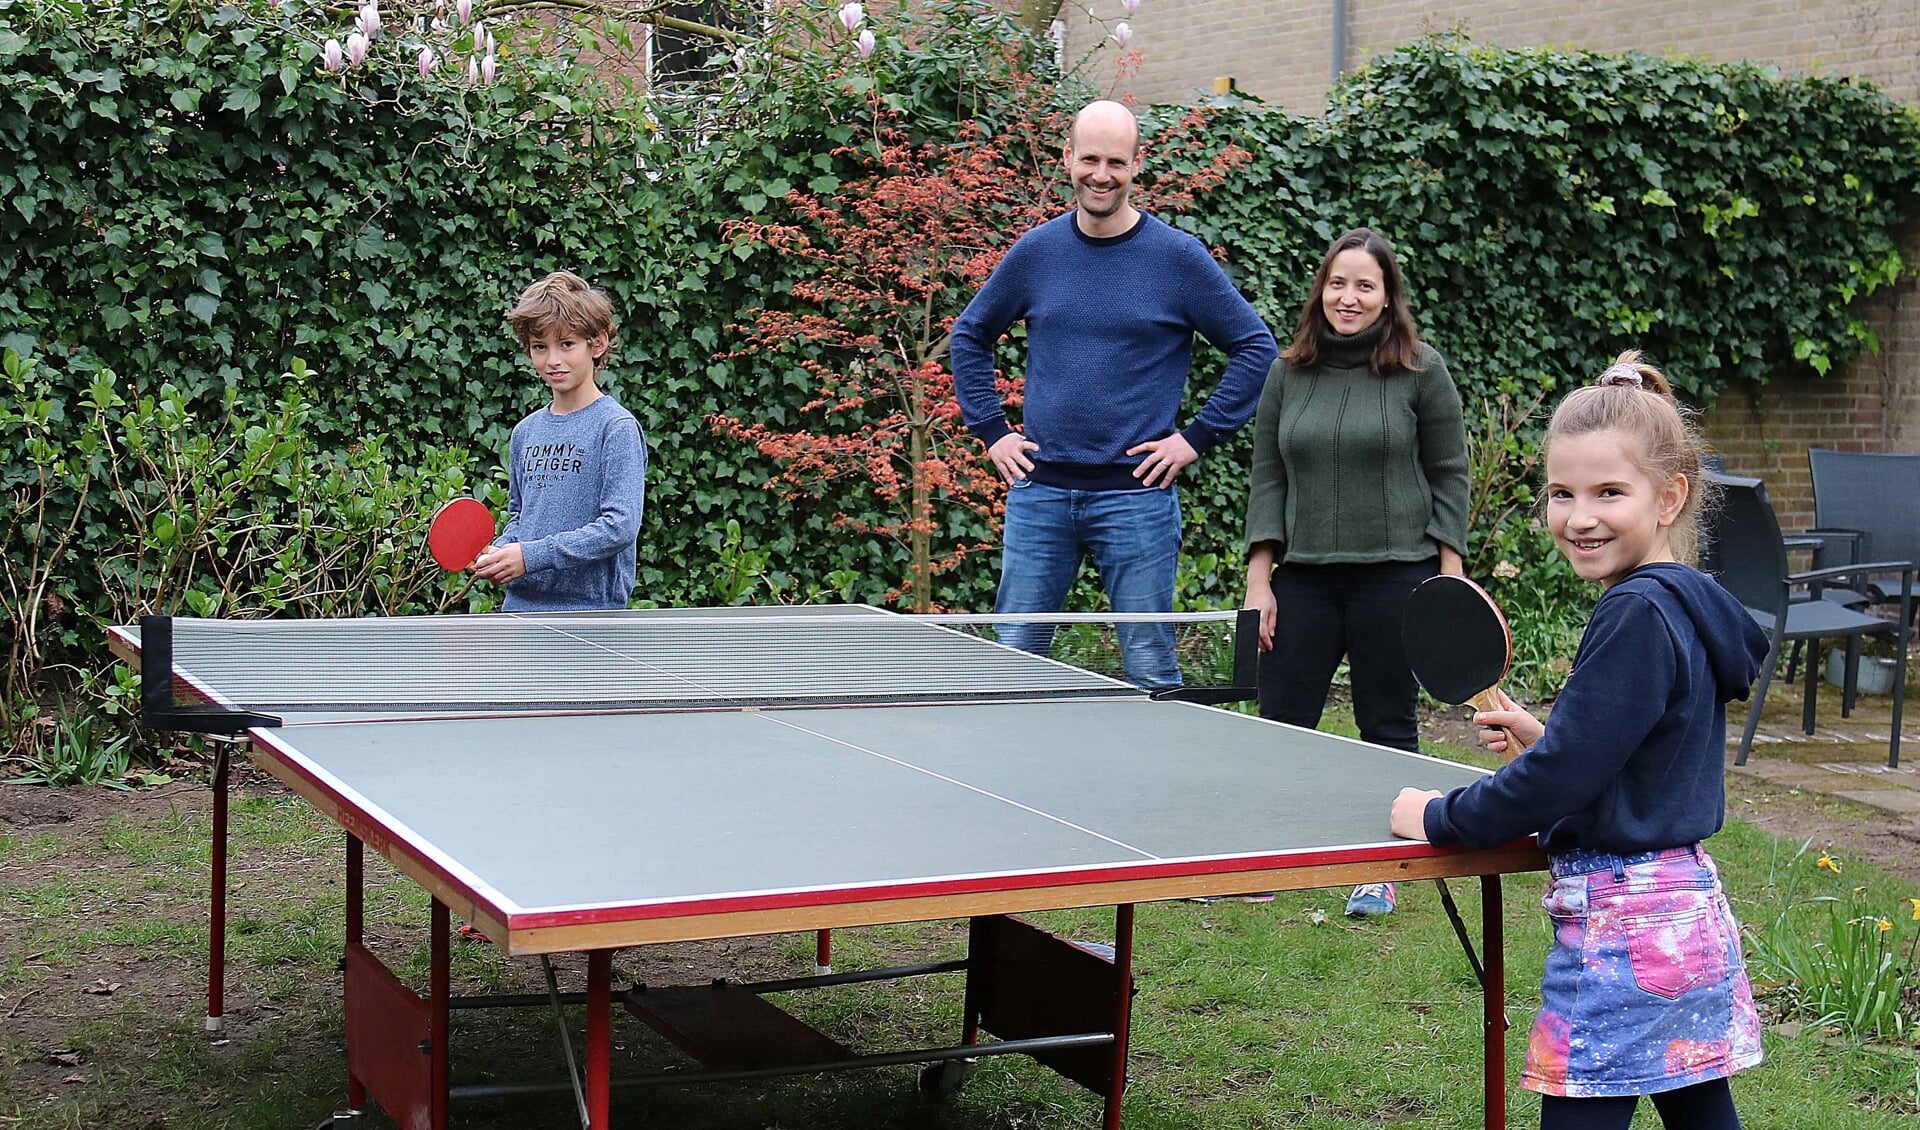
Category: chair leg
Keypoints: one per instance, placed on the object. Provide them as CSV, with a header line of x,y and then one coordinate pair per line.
x,y
1793,661
1899,701
1759,694
1850,683
1902,640
1813,687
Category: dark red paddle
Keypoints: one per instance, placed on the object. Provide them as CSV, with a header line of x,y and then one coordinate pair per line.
x,y
460,530
1458,644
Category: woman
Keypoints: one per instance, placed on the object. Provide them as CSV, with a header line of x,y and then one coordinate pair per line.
x,y
1358,493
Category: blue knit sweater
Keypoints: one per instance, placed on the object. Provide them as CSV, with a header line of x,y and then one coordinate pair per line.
x,y
1110,325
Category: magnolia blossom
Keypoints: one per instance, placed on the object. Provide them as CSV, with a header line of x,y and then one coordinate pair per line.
x,y
851,15
488,68
487,47
356,49
1129,6
427,60
331,57
1122,33
369,21
463,9
864,44
473,70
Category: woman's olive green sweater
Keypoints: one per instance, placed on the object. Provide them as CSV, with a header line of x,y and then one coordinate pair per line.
x,y
1354,468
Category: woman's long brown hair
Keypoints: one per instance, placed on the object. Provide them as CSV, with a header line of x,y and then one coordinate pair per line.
x,y
1395,353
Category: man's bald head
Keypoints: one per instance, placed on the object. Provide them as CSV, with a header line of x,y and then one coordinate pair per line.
x,y
1109,121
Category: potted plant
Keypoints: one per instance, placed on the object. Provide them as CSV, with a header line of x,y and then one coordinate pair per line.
x,y
1878,665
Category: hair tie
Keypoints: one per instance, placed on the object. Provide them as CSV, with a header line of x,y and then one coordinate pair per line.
x,y
1624,373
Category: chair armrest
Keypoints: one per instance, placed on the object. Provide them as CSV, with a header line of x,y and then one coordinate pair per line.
x,y
1815,579
1829,540
1906,567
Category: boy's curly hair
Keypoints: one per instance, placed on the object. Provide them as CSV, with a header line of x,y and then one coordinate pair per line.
x,y
564,301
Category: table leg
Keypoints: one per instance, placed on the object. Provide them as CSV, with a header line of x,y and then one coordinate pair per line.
x,y
440,990
822,952
1122,1011
217,895
356,902
599,1036
1494,1016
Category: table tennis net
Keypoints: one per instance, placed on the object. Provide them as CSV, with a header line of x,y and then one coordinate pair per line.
x,y
669,659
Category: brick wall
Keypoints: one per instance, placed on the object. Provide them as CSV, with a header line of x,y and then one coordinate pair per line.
x,y
1282,51
1873,405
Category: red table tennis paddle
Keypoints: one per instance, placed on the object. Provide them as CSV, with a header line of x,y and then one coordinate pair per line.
x,y
1458,644
460,530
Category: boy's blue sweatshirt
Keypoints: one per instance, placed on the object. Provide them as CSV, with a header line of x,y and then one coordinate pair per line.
x,y
576,486
1635,751
1110,325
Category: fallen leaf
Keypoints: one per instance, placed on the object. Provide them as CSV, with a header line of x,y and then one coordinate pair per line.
x,y
65,1057
74,1079
102,988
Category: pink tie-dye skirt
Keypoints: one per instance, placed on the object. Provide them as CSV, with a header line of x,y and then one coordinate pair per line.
x,y
1645,989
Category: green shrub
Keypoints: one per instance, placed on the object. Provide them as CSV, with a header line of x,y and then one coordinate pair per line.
x,y
191,204
1836,958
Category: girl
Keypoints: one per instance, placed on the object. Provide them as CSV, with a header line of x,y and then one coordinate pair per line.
x,y
1645,990
1358,493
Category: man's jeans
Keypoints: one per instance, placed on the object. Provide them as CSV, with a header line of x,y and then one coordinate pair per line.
x,y
1134,537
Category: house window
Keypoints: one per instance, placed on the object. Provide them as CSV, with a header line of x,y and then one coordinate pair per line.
x,y
682,59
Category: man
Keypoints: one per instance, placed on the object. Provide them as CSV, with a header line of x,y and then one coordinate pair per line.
x,y
1112,298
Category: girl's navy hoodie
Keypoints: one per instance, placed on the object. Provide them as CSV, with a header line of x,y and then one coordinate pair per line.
x,y
1634,755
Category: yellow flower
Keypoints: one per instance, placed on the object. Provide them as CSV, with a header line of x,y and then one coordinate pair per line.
x,y
1916,909
1885,925
1828,862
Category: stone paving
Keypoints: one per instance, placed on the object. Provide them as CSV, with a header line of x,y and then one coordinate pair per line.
x,y
1845,758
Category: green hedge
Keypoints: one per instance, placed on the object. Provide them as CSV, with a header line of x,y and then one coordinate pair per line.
x,y
190,199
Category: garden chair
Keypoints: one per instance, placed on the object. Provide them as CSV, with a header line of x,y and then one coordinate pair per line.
x,y
1873,497
1751,558
1830,547
1864,505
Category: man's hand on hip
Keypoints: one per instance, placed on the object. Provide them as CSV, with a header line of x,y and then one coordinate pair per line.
x,y
1164,459
1009,455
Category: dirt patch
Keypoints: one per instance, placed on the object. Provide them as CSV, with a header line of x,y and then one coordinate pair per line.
x,y
80,1010
26,806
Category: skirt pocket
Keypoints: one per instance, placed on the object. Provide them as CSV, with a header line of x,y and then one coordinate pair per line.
x,y
1677,951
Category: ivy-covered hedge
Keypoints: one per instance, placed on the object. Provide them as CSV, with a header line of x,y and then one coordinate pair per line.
x,y
1552,208
189,197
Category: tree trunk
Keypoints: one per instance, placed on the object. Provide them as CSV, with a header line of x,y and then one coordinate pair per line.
x,y
921,538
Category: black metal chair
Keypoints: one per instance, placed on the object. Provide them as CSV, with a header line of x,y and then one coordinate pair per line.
x,y
1751,559
1873,497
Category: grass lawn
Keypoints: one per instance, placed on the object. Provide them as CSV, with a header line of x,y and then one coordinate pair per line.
x,y
1282,1014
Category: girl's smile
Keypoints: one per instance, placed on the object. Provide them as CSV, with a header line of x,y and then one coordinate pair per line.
x,y
1607,515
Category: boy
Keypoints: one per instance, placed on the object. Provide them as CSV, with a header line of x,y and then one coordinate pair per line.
x,y
577,469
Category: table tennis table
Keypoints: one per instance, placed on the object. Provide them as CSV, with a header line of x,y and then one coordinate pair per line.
x,y
583,783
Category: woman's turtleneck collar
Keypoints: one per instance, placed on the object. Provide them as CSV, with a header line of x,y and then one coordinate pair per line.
x,y
1350,351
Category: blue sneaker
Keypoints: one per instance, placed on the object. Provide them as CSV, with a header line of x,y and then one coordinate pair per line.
x,y
1370,899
